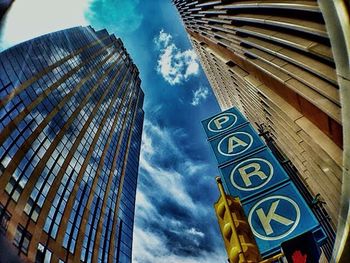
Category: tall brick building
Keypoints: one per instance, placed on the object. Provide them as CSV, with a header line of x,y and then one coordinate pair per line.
x,y
286,69
70,133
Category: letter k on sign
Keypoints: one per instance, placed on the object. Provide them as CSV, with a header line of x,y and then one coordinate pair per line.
x,y
272,215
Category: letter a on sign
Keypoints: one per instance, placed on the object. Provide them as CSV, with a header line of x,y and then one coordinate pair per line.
x,y
234,142
271,215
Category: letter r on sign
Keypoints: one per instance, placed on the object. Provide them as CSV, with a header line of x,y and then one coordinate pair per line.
x,y
246,176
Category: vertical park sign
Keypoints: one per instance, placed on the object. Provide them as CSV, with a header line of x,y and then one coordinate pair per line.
x,y
275,209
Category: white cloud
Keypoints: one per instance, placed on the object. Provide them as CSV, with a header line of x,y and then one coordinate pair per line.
x,y
195,232
169,181
193,168
29,19
168,220
147,147
150,249
163,39
199,95
174,65
145,208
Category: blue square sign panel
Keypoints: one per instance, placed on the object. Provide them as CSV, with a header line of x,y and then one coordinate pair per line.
x,y
277,216
236,144
225,121
253,175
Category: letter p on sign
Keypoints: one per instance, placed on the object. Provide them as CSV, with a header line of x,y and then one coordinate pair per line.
x,y
222,122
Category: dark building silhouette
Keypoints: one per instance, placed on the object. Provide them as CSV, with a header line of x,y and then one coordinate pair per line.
x,y
70,132
4,6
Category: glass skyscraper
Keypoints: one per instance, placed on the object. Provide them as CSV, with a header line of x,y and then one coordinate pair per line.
x,y
70,132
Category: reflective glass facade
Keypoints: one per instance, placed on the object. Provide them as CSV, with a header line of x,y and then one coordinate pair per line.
x,y
70,132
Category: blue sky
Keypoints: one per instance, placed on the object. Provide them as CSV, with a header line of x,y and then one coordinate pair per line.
x,y
175,220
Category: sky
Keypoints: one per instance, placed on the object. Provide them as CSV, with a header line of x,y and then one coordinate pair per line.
x,y
174,216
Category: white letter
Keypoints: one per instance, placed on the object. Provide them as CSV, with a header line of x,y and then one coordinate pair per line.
x,y
265,220
221,120
234,142
246,176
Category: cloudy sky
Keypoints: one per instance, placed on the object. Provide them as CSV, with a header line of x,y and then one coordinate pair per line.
x,y
175,220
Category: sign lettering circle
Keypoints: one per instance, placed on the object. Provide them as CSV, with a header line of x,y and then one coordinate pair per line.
x,y
238,140
274,220
243,175
222,122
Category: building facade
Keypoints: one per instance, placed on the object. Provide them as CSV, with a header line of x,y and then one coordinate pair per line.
x,y
70,135
273,60
4,6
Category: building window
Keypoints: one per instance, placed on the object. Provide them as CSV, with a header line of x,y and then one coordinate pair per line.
x,y
5,217
32,209
22,239
43,255
15,193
